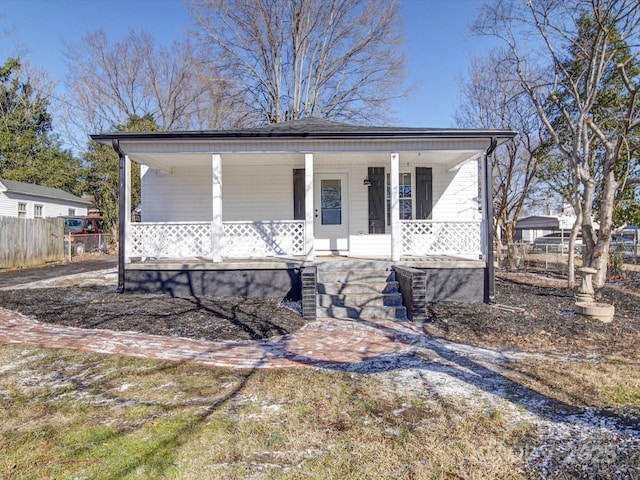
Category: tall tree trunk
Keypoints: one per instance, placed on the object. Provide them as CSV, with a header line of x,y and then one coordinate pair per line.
x,y
603,245
571,258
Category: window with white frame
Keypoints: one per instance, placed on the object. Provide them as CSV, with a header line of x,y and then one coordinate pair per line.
x,y
72,212
405,194
22,210
37,211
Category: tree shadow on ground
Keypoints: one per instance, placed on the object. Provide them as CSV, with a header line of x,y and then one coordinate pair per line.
x,y
430,354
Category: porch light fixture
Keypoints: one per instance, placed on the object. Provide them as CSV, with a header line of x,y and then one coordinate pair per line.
x,y
366,182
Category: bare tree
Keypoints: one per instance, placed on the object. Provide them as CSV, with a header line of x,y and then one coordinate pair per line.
x,y
113,82
564,53
336,59
493,98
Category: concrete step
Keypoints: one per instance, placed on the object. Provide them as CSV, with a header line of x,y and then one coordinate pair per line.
x,y
353,265
358,276
364,313
359,300
361,289
335,288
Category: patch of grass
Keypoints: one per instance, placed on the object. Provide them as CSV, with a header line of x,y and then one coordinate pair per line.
x,y
617,361
607,383
95,416
625,394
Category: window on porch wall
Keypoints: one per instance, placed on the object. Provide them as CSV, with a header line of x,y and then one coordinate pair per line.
x,y
406,197
415,198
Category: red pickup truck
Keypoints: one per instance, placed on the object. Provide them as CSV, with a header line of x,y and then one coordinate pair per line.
x,y
85,234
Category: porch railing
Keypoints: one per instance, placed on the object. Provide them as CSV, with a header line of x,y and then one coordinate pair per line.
x,y
193,239
427,237
263,239
170,239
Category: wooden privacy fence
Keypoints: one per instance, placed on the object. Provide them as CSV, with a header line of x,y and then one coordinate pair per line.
x,y
25,242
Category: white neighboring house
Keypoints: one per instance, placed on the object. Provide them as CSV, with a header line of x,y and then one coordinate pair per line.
x,y
26,200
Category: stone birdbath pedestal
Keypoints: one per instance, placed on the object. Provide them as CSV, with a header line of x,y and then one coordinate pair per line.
x,y
585,299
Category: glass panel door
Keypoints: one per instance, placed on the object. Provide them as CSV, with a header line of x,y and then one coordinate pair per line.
x,y
331,212
331,202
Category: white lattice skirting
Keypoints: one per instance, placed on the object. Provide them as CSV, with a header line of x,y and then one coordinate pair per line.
x,y
425,237
193,239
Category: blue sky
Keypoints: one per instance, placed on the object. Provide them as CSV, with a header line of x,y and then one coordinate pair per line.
x,y
438,46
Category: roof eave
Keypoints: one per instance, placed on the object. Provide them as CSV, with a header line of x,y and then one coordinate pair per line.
x,y
244,135
47,197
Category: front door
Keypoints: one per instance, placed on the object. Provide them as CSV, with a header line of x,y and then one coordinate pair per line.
x,y
331,213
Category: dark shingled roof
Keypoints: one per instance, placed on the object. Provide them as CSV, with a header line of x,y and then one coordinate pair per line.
x,y
311,127
38,191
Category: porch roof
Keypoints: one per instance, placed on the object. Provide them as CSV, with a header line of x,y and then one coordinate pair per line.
x,y
313,135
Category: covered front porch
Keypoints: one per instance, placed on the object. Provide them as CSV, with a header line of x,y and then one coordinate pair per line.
x,y
357,204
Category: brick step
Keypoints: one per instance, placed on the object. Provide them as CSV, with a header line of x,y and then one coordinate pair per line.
x,y
358,276
364,313
359,300
335,288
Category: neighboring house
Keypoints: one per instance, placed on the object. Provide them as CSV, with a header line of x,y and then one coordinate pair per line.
x,y
26,200
250,211
534,226
632,232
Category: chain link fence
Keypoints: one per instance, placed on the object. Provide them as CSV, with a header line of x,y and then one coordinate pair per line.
x,y
75,244
554,258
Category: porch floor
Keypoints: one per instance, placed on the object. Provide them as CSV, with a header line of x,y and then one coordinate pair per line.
x,y
285,263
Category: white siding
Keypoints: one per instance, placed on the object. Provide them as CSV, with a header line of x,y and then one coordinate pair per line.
x,y
262,192
359,198
257,193
455,193
180,196
370,245
50,208
8,206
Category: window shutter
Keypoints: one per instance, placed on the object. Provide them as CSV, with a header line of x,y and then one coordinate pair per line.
x,y
298,194
424,193
376,199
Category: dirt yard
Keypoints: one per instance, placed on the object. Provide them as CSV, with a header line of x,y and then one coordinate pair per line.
x,y
543,318
228,318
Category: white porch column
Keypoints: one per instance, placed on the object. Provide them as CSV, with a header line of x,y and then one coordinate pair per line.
x,y
217,230
127,209
396,239
309,235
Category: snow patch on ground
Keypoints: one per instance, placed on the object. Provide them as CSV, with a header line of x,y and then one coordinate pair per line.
x,y
107,276
572,442
295,305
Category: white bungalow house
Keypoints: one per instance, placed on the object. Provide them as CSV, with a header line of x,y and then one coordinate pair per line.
x,y
250,211
26,200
